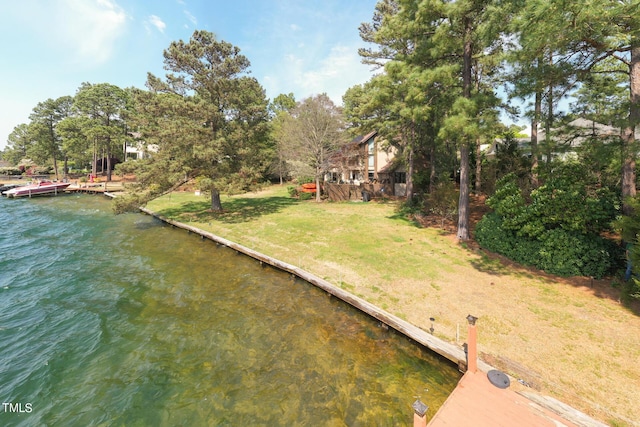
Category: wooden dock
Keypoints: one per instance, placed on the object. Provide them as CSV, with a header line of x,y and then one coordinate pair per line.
x,y
477,402
95,188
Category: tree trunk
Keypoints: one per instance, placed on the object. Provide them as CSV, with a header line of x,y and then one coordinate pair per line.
x,y
317,187
478,167
628,137
547,126
549,120
409,194
55,167
432,167
94,167
537,110
109,160
410,162
463,202
216,204
318,174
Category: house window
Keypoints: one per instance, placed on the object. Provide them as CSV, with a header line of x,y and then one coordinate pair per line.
x,y
400,177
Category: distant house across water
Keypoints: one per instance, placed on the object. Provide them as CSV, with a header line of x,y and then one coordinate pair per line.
x,y
138,149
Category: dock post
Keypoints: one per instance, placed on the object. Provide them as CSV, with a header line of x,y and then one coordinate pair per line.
x,y
419,413
472,345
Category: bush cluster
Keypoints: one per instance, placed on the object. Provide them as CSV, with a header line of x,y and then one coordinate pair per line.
x,y
10,171
305,196
557,229
41,170
293,191
129,203
443,200
555,251
629,227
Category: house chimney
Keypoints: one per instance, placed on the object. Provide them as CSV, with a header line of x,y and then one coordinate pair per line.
x,y
472,345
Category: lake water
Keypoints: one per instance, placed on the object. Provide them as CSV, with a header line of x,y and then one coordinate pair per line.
x,y
122,321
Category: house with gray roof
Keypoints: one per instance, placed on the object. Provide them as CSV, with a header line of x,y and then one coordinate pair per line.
x,y
566,139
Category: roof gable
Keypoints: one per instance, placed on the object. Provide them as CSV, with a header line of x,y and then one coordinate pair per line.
x,y
363,139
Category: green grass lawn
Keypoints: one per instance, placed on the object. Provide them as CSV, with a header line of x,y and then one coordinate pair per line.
x,y
569,338
354,244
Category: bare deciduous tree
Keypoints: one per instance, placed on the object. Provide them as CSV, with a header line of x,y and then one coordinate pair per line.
x,y
312,132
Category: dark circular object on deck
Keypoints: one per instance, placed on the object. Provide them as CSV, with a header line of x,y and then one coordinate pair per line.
x,y
498,379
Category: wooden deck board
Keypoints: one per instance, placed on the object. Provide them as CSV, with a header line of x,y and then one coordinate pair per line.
x,y
476,402
95,188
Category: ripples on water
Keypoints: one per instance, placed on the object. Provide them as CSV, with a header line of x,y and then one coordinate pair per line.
x,y
109,320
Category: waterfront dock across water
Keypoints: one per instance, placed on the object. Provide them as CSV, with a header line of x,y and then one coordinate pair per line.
x,y
95,188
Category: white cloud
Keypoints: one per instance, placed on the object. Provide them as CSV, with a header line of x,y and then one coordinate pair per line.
x,y
191,18
158,23
305,76
90,28
334,74
55,45
316,48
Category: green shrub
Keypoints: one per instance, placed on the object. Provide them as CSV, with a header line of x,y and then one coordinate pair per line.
x,y
42,170
129,203
412,206
557,227
10,171
306,180
569,254
293,191
632,288
443,200
556,251
305,196
491,234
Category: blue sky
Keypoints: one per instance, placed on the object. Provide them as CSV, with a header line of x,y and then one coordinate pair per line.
x,y
49,47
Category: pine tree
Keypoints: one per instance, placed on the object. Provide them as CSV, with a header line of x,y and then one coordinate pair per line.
x,y
208,118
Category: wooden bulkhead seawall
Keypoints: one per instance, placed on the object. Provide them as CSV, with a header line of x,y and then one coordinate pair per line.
x,y
447,350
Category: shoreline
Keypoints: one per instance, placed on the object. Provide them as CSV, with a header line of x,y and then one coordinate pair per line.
x,y
447,350
546,406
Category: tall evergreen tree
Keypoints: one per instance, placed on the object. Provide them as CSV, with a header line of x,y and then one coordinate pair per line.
x,y
44,121
208,117
586,35
18,144
280,109
105,106
450,40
